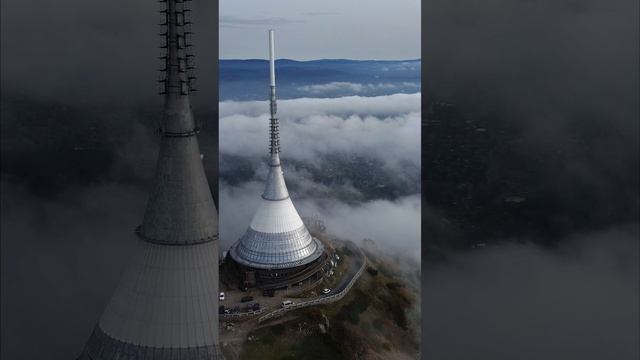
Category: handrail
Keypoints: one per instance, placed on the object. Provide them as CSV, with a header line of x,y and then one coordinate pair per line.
x,y
240,315
252,313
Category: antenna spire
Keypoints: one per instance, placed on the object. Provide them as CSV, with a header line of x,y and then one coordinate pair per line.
x,y
274,146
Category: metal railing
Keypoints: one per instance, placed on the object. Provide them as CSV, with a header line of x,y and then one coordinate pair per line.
x,y
252,313
240,315
322,300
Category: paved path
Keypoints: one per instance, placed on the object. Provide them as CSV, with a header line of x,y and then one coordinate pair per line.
x,y
268,304
232,338
340,291
356,262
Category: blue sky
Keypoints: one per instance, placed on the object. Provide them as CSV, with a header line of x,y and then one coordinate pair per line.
x,y
335,29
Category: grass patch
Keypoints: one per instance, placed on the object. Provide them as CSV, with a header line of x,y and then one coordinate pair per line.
x,y
345,251
269,344
267,336
394,285
273,344
316,346
397,301
385,271
399,317
351,311
277,329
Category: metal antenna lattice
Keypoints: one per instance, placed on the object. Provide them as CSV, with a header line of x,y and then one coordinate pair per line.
x,y
274,132
176,46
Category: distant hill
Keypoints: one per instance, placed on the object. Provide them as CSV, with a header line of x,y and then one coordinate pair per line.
x,y
247,79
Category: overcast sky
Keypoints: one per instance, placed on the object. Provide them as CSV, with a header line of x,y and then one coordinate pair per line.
x,y
330,29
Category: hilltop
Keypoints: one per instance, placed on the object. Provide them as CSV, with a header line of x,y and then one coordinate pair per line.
x,y
378,319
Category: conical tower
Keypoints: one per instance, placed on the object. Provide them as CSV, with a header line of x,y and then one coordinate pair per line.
x,y
166,304
276,238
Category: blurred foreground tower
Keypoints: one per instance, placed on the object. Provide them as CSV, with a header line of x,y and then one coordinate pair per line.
x,y
166,305
277,252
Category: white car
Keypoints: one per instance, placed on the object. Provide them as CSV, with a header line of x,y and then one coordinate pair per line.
x,y
221,296
326,291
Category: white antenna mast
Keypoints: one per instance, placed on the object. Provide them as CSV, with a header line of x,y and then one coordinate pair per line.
x,y
274,146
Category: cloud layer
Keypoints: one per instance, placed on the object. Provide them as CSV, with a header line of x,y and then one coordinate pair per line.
x,y
519,301
356,88
387,126
395,225
61,261
384,128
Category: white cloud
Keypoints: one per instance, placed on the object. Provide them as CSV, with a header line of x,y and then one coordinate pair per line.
x,y
579,301
383,127
295,108
394,225
338,86
387,127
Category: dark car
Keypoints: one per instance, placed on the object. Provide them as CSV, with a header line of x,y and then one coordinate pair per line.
x,y
256,307
246,299
221,309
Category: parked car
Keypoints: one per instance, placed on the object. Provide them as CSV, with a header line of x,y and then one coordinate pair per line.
x,y
221,309
246,299
221,296
256,307
287,303
326,291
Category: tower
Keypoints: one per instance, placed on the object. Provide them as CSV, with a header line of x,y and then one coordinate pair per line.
x,y
166,304
277,250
